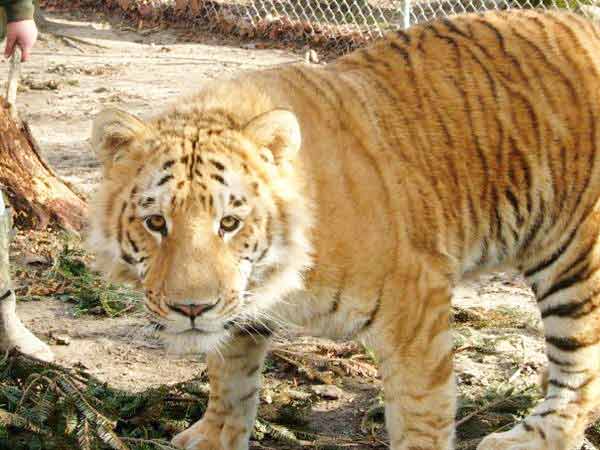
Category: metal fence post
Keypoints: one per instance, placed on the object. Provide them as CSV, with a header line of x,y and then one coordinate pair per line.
x,y
406,14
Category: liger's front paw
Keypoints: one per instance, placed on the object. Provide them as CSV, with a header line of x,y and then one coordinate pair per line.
x,y
199,436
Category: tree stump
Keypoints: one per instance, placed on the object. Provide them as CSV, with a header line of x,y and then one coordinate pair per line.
x,y
37,195
38,16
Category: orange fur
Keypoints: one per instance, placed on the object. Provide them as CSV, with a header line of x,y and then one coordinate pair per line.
x,y
348,200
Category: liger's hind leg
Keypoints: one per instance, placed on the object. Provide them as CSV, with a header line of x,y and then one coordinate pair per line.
x,y
567,288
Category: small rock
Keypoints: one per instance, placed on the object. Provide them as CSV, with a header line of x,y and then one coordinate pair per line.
x,y
267,397
330,392
97,310
466,378
100,90
48,85
311,56
464,315
60,338
80,365
33,260
298,395
503,346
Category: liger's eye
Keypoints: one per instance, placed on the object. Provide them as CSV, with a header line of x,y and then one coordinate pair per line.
x,y
229,224
156,223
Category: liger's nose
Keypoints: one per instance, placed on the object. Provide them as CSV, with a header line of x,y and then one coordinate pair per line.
x,y
192,311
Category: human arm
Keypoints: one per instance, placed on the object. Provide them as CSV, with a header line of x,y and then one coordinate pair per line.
x,y
21,29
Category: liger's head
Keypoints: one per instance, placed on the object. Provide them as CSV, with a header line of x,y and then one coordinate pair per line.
x,y
204,212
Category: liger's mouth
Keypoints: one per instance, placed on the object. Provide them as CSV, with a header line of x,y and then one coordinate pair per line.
x,y
197,331
193,332
168,330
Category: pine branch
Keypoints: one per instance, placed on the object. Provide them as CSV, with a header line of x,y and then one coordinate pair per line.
x,y
8,419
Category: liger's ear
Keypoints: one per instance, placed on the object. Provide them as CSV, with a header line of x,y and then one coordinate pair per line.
x,y
279,131
112,132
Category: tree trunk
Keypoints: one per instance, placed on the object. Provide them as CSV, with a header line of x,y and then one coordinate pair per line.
x,y
38,197
40,19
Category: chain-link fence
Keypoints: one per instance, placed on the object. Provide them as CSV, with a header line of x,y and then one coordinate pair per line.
x,y
338,25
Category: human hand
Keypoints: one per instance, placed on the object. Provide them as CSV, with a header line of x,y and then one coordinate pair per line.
x,y
22,33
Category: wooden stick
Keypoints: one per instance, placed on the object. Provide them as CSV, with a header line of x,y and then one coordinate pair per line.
x,y
14,75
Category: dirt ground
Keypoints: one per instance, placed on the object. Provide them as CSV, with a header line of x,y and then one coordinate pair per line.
x,y
68,80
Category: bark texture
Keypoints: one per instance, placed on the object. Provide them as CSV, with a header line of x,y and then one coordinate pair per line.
x,y
37,195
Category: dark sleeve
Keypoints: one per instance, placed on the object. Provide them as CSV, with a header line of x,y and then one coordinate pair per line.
x,y
17,9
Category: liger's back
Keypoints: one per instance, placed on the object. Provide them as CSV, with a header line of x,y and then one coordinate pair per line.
x,y
476,111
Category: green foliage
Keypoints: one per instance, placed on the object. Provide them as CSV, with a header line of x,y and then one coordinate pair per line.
x,y
481,318
44,406
292,415
47,407
593,433
497,409
572,5
89,290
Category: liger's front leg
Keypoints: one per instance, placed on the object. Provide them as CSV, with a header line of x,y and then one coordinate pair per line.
x,y
235,377
416,364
